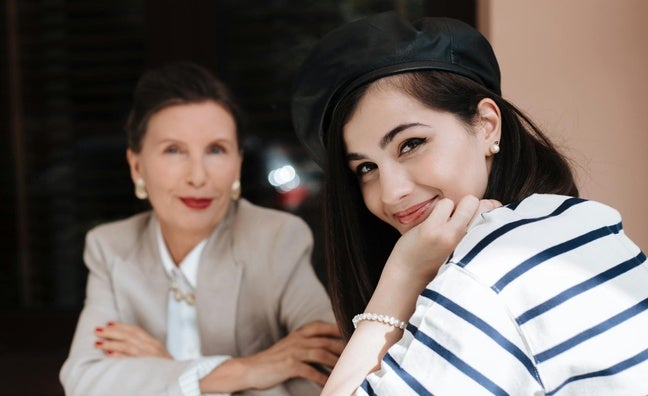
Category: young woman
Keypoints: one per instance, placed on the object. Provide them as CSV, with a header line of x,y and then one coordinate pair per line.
x,y
206,293
451,294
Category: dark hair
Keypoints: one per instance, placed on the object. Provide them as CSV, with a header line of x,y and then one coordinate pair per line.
x,y
176,83
358,243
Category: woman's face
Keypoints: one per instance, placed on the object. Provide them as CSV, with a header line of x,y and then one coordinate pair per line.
x,y
189,160
407,156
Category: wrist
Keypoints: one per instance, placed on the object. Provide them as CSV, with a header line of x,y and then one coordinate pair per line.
x,y
388,320
229,377
396,294
398,273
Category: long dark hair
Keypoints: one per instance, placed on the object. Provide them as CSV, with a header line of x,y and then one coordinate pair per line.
x,y
174,83
358,243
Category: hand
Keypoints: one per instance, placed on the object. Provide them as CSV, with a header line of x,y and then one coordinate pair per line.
x,y
126,340
294,356
420,252
413,263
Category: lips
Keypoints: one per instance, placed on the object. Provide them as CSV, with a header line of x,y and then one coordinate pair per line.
x,y
414,212
196,203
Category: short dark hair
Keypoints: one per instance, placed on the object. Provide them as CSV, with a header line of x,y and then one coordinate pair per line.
x,y
358,244
176,83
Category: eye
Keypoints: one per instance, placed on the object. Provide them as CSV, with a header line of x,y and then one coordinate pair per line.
x,y
410,144
216,149
364,168
172,150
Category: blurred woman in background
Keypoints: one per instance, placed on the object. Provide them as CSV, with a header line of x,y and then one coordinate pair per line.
x,y
206,293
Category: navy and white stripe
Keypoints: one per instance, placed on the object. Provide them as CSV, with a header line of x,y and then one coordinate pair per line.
x,y
547,296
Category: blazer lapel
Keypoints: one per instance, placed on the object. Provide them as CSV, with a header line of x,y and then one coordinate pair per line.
x,y
217,290
143,286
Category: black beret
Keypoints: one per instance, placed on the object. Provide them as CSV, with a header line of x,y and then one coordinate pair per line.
x,y
377,46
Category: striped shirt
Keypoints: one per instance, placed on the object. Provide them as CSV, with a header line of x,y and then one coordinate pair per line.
x,y
547,296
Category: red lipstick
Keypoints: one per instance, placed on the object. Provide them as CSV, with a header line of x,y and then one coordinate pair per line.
x,y
196,203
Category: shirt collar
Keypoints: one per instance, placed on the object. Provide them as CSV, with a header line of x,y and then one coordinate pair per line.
x,y
189,265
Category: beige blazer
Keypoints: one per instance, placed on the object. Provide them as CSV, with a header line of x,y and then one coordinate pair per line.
x,y
255,284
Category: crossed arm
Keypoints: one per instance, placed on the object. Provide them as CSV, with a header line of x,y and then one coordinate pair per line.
x,y
295,356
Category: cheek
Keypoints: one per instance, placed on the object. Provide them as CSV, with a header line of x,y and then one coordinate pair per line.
x,y
224,171
371,198
474,178
161,174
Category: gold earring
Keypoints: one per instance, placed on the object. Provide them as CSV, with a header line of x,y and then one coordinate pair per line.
x,y
236,190
495,148
140,189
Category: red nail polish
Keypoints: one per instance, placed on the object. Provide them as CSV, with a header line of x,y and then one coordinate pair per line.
x,y
98,343
109,352
98,329
110,324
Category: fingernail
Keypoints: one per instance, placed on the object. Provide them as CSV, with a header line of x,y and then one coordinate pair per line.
x,y
98,329
98,343
109,352
110,324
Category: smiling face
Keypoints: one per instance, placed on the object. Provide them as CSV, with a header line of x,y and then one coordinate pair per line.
x,y
189,160
408,156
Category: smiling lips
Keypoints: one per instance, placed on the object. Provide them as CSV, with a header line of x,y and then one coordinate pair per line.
x,y
414,213
196,203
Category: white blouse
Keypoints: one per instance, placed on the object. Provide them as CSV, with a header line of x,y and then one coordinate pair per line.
x,y
183,340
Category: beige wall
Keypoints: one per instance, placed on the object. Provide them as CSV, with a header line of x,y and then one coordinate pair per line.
x,y
580,69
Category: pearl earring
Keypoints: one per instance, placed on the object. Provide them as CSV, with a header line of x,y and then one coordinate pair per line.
x,y
140,189
495,148
236,190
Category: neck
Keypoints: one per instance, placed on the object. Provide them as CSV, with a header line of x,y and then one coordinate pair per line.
x,y
181,242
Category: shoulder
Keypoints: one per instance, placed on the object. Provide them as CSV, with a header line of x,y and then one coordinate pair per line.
x,y
544,213
119,236
269,238
561,207
253,220
541,225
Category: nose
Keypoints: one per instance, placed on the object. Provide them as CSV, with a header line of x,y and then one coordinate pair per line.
x,y
197,172
395,184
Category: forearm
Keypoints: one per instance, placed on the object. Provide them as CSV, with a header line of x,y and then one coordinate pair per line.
x,y
228,377
109,376
395,296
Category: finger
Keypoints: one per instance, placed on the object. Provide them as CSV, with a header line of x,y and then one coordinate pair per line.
x,y
464,212
333,345
149,345
320,329
140,343
114,331
125,348
155,348
100,344
108,329
309,372
141,337
111,348
486,205
440,212
318,356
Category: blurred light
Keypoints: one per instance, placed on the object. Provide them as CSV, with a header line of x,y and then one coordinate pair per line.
x,y
284,178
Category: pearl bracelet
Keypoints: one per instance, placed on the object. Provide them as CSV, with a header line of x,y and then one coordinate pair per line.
x,y
389,320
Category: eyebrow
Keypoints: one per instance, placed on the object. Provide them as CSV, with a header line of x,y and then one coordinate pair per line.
x,y
388,138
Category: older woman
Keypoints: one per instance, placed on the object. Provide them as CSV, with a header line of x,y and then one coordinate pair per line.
x,y
206,293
